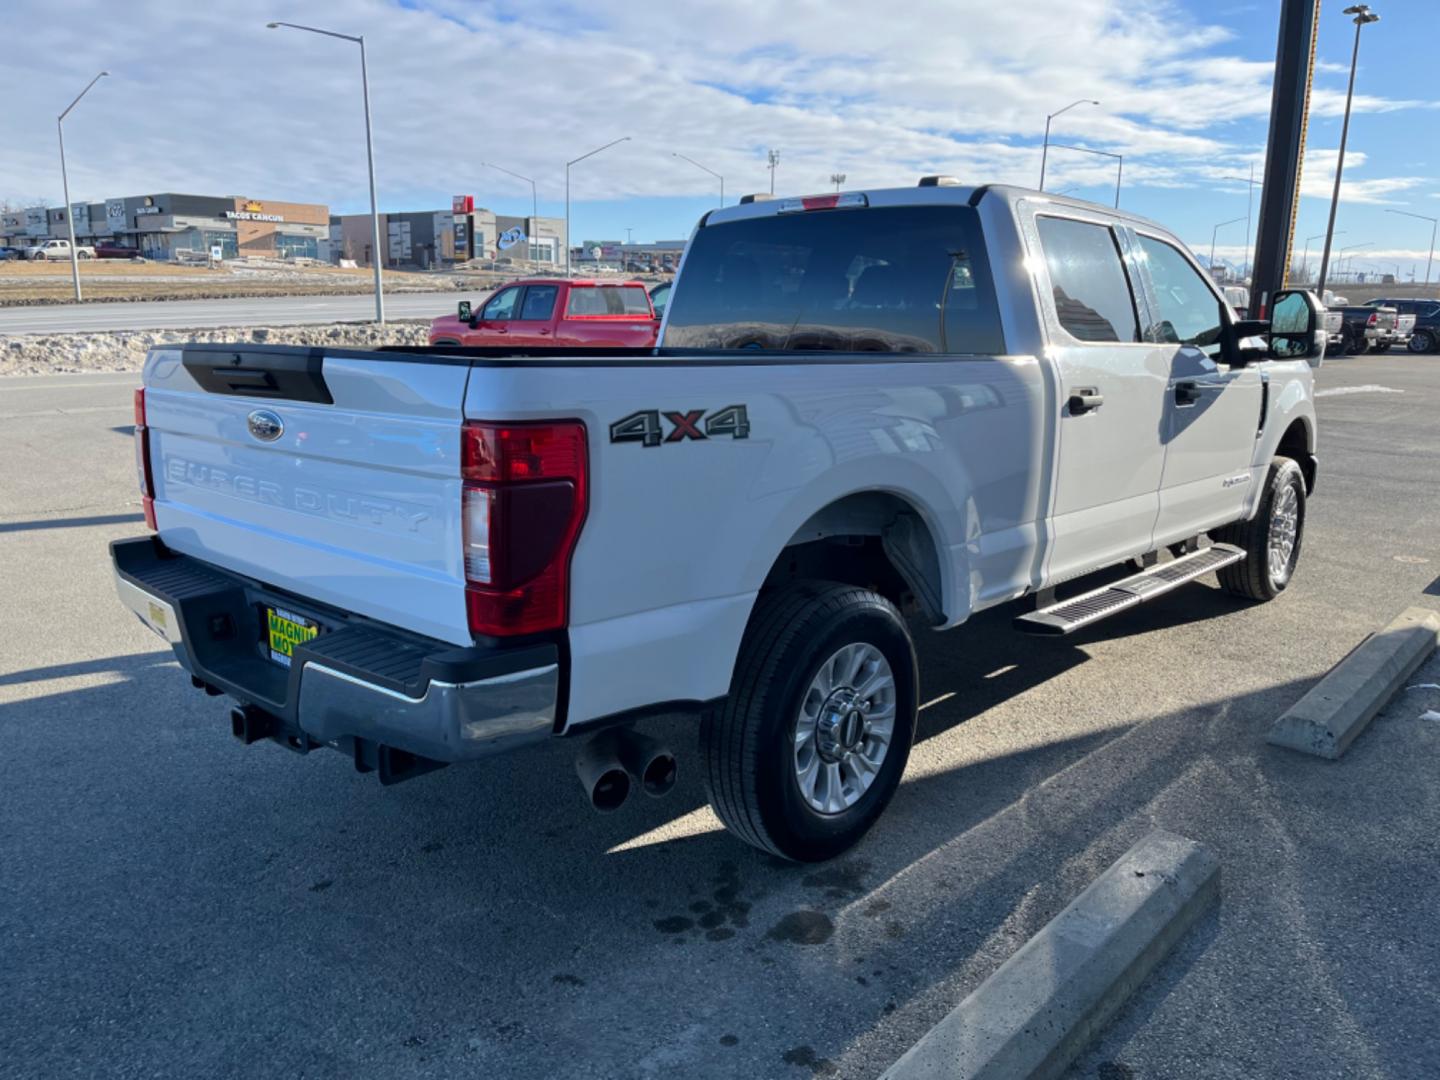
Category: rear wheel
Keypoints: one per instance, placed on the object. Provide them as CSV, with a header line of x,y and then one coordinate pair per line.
x,y
1271,539
1354,344
1385,347
1422,341
809,747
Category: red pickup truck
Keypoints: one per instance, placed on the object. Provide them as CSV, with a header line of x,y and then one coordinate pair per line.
x,y
554,311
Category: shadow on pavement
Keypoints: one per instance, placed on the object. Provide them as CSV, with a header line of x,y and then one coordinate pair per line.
x,y
69,523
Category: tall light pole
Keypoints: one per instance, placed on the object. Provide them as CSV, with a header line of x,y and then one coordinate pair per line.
x,y
702,168
1340,259
1305,258
534,205
1119,160
1045,150
1249,204
65,182
576,161
1213,233
837,179
369,152
772,158
1433,222
1363,16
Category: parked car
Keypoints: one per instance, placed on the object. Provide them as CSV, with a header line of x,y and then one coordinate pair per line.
x,y
659,297
1424,331
109,249
1364,328
422,556
1239,298
554,311
58,249
8,253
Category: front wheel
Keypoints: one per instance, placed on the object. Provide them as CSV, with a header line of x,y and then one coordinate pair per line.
x,y
809,747
1383,347
1422,341
83,255
1271,539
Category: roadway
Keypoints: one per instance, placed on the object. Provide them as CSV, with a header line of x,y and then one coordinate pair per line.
x,y
241,311
177,905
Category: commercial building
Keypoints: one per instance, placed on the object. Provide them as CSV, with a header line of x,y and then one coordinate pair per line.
x,y
163,225
426,238
660,254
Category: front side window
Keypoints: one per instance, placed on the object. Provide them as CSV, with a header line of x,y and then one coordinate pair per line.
x,y
1092,294
1187,311
911,279
502,305
539,302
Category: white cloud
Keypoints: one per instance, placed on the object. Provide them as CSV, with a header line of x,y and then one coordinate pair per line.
x,y
203,98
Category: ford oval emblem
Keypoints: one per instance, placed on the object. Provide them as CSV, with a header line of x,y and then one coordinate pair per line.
x,y
265,425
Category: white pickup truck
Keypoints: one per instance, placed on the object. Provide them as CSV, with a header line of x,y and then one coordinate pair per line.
x,y
927,401
58,249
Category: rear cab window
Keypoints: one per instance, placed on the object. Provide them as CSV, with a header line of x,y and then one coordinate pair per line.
x,y
912,279
607,301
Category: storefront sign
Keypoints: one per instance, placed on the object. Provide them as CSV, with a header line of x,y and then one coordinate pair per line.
x,y
139,210
462,240
462,204
509,238
248,215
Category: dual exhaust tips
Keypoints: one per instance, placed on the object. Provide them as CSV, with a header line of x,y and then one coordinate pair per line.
x,y
615,761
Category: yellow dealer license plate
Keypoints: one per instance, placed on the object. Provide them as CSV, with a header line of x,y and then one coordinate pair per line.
x,y
286,630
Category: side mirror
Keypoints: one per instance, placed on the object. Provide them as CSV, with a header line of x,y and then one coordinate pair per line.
x,y
462,312
1297,326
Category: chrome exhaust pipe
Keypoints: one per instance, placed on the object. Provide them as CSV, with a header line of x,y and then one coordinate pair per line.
x,y
649,761
605,780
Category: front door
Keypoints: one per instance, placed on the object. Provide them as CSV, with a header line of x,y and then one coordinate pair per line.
x,y
496,316
1212,410
1111,397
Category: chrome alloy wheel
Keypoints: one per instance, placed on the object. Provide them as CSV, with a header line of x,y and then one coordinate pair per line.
x,y
844,728
1284,530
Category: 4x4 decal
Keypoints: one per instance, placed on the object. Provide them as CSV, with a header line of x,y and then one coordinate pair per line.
x,y
646,428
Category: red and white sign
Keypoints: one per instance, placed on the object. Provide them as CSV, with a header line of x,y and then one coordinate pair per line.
x,y
462,204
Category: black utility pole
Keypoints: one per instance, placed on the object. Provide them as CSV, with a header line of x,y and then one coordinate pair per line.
x,y
1285,152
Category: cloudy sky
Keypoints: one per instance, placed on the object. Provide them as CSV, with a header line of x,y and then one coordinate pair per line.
x,y
202,98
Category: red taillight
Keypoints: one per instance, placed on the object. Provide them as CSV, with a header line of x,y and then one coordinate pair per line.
x,y
522,506
1373,320
143,474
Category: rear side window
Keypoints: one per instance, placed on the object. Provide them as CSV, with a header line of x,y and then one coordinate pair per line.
x,y
1092,294
888,279
539,302
629,301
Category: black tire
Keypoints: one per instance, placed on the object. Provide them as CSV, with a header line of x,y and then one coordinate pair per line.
x,y
1252,576
749,743
1422,341
1382,348
1353,344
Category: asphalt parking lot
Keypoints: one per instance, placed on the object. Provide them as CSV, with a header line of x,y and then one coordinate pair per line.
x,y
176,905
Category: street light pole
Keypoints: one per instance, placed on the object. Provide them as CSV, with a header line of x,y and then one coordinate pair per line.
x,y
65,183
702,168
1433,223
369,153
1305,258
1363,15
773,157
1119,159
1340,259
1213,233
576,161
1249,205
837,179
1045,150
534,206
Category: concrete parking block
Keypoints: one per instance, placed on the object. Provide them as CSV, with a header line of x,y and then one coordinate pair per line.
x,y
1327,719
1030,1018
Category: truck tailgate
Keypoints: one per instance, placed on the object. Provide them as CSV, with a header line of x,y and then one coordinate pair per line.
x,y
354,502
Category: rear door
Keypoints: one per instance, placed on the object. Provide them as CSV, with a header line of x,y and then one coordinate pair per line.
x,y
1111,403
336,478
534,321
1212,410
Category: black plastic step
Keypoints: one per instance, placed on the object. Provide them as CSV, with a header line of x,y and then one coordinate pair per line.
x,y
1066,616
